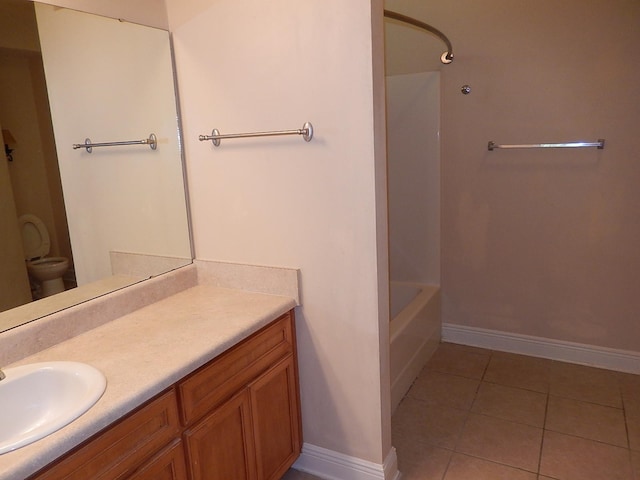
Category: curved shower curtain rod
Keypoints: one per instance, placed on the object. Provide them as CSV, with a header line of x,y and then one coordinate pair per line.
x,y
446,57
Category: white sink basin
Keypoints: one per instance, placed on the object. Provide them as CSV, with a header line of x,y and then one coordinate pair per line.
x,y
40,398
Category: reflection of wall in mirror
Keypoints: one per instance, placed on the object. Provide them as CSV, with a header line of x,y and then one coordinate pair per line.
x,y
120,198
34,171
144,12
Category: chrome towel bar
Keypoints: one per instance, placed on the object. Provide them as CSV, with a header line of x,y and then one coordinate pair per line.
x,y
152,141
306,131
599,144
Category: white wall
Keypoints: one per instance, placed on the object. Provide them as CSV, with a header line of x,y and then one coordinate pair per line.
x,y
112,81
413,137
251,65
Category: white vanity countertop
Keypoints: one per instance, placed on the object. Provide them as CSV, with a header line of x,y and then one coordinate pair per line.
x,y
143,353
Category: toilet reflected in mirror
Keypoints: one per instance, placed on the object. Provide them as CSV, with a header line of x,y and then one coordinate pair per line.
x,y
46,272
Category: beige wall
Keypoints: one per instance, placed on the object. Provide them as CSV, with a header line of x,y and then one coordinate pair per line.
x,y
540,242
252,65
413,144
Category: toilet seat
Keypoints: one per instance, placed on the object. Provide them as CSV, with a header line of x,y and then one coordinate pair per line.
x,y
35,237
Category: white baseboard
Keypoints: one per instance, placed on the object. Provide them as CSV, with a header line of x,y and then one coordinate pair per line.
x,y
602,357
331,465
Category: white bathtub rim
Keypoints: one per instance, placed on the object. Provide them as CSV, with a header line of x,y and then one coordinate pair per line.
x,y
398,324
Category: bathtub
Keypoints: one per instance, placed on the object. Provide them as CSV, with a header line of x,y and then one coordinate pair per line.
x,y
414,332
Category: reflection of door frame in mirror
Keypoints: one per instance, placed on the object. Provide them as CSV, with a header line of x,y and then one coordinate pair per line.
x,y
14,283
128,264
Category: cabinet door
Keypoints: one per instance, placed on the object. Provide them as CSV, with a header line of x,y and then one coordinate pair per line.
x,y
221,447
276,419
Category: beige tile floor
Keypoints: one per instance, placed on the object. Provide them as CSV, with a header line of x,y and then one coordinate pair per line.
x,y
297,475
475,414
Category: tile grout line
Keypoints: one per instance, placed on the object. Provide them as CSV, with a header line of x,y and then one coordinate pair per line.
x,y
544,430
468,414
634,474
446,469
626,421
482,380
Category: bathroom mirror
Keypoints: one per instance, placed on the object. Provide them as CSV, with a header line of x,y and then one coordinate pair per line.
x,y
117,213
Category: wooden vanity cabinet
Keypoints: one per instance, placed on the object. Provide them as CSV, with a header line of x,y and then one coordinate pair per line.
x,y
237,417
134,443
242,410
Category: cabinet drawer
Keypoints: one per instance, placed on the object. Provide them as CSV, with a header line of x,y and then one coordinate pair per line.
x,y
223,377
122,447
169,464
